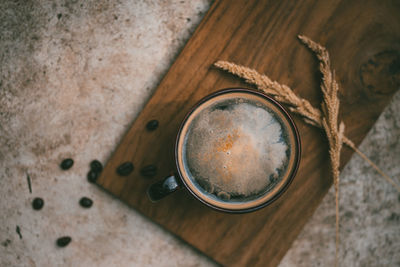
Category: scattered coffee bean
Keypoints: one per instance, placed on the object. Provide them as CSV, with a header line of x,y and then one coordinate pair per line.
x,y
92,176
63,241
152,125
37,203
149,171
125,168
66,164
86,202
96,166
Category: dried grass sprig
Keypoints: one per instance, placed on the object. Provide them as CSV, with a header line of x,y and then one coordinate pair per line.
x,y
327,120
330,110
300,106
349,143
280,92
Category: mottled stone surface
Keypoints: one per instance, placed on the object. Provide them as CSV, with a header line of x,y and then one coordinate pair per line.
x,y
73,77
369,207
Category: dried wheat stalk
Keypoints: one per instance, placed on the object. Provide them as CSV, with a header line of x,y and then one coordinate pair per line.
x,y
328,120
330,110
300,106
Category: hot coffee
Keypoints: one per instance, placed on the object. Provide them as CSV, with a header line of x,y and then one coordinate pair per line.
x,y
236,148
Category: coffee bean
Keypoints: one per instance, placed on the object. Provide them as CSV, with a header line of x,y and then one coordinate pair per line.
x,y
63,241
37,203
125,168
86,202
96,166
92,176
66,164
149,171
152,125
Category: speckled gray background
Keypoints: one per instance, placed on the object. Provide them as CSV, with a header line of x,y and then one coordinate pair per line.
x,y
73,76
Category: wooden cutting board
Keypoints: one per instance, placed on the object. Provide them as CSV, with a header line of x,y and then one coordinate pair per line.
x,y
363,38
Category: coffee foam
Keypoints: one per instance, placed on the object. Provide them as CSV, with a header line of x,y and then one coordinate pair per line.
x,y
235,148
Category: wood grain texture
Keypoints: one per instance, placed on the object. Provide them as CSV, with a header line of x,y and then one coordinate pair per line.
x,y
363,38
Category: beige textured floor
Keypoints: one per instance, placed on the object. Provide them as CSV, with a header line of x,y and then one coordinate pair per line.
x,y
73,76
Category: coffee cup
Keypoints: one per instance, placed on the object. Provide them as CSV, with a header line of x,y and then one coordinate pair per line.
x,y
237,150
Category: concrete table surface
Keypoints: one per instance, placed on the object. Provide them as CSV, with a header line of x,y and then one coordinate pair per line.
x,y
74,75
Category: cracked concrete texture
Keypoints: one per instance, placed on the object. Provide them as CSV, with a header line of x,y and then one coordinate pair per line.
x,y
73,76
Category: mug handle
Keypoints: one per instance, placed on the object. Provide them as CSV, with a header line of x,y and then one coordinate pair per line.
x,y
163,188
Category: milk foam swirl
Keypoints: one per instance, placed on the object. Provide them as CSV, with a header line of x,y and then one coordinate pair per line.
x,y
236,147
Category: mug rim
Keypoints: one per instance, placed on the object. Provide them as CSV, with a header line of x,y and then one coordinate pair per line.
x,y
296,139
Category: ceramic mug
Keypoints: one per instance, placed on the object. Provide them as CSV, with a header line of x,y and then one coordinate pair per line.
x,y
236,151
